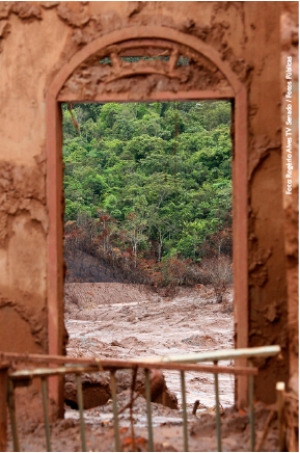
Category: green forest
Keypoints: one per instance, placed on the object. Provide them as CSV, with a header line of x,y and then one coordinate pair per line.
x,y
149,181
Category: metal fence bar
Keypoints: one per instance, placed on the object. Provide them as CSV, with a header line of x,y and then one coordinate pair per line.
x,y
61,371
12,414
46,415
80,407
280,389
251,410
149,415
113,389
182,363
262,351
184,415
218,418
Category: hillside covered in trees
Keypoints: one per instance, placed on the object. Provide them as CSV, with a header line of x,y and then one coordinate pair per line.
x,y
148,182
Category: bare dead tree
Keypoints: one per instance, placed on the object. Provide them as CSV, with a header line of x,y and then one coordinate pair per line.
x,y
219,270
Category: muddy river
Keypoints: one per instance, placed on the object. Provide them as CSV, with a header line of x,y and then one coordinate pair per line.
x,y
112,320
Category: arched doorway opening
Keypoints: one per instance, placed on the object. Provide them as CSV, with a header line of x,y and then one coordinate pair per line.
x,y
168,66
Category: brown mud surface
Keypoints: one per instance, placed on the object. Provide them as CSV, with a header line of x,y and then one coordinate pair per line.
x,y
125,321
128,321
167,431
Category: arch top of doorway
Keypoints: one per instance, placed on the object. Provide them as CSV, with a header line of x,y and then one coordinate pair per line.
x,y
145,32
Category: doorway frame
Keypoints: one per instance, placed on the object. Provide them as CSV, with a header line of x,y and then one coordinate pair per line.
x,y
237,93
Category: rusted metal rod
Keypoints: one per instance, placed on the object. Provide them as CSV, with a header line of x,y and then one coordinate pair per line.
x,y
280,389
263,351
12,414
149,415
46,414
180,363
113,389
45,372
80,407
218,418
184,414
223,354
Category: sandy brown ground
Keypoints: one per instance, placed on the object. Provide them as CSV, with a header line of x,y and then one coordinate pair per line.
x,y
118,320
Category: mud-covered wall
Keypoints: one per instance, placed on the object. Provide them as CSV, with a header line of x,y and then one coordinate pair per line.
x,y
290,174
36,40
290,177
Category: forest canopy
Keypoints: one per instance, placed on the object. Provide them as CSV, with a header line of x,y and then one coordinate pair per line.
x,y
154,177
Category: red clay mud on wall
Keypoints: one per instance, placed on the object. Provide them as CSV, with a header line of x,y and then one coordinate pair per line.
x,y
289,45
24,226
245,34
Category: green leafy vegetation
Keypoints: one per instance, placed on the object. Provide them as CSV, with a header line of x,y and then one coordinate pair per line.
x,y
152,180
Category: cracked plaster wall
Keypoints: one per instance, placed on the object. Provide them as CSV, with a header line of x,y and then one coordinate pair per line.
x,y
36,40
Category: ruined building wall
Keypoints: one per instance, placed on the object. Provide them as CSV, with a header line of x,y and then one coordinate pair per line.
x,y
290,143
290,177
36,40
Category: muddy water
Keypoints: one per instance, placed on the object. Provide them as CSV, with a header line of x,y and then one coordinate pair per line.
x,y
139,324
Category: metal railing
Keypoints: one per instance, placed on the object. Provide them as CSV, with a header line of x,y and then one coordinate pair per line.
x,y
182,363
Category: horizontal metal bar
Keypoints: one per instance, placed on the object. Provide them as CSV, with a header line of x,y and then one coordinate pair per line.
x,y
223,354
46,372
204,368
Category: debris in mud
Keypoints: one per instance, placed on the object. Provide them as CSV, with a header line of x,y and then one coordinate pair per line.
x,y
200,340
167,429
159,391
95,390
138,323
235,429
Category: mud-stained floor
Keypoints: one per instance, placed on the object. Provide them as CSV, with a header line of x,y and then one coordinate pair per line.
x,y
124,321
168,434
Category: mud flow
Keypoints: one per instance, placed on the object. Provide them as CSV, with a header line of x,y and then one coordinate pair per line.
x,y
125,321
128,321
